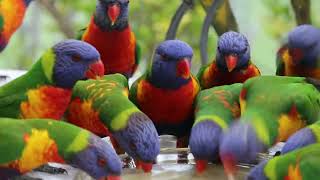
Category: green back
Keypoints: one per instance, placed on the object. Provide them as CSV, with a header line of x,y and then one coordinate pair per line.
x,y
218,104
72,140
201,74
13,93
269,97
306,160
109,99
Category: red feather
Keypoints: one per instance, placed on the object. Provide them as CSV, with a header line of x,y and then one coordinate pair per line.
x,y
46,102
117,48
215,77
167,106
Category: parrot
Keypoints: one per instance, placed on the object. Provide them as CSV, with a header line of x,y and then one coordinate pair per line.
x,y
232,63
299,54
306,136
215,109
109,31
12,13
26,145
301,164
45,90
272,109
102,106
167,91
224,19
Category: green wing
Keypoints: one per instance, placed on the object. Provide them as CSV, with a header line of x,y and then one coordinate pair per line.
x,y
134,89
80,33
201,74
138,53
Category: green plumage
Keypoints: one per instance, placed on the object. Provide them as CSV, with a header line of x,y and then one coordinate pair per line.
x,y
110,98
13,131
268,99
219,104
299,164
13,93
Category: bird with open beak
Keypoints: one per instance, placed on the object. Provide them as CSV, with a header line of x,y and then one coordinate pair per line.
x,y
232,63
109,32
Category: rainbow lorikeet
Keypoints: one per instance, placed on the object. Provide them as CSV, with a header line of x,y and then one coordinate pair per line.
x,y
26,145
306,136
232,63
110,32
301,164
166,93
215,110
103,107
272,109
45,90
11,17
299,54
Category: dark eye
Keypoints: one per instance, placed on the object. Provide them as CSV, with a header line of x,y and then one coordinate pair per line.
x,y
76,58
219,49
101,162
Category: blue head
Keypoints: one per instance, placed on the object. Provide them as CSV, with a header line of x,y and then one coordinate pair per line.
x,y
27,2
240,144
171,64
75,60
204,140
112,14
233,51
140,138
257,173
302,138
99,159
303,45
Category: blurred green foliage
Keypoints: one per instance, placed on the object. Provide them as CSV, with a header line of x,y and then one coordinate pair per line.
x,y
264,22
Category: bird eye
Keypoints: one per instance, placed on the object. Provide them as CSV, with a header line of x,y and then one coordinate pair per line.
x,y
76,58
102,162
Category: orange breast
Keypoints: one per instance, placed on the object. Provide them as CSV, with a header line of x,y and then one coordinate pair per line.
x,y
167,106
214,77
46,102
117,48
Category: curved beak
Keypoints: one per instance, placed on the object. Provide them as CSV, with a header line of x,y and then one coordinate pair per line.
x,y
95,70
113,13
229,164
183,68
145,166
231,61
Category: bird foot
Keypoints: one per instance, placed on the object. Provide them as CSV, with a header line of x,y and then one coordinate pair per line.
x,y
51,170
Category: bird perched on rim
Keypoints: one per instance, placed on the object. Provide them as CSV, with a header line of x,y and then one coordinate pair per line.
x,y
166,93
268,115
299,164
109,31
232,63
215,108
304,137
300,53
12,13
102,106
45,90
27,145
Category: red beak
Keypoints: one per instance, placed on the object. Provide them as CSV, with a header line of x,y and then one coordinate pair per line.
x,y
229,164
231,61
146,167
95,70
201,165
183,68
113,13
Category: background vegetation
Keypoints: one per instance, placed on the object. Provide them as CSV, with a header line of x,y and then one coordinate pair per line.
x,y
47,22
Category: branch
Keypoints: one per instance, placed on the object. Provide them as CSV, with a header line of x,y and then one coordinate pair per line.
x,y
63,22
301,9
